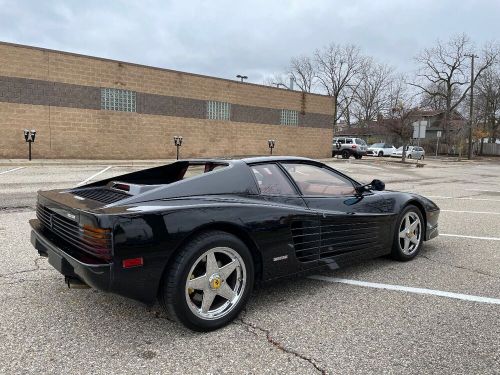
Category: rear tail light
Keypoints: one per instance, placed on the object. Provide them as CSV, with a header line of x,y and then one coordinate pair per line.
x,y
353,146
99,239
132,262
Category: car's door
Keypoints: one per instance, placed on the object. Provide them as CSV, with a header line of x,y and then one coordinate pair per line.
x,y
348,222
388,148
276,226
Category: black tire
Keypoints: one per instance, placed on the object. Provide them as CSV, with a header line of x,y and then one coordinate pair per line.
x,y
408,156
422,157
172,295
358,156
346,154
380,154
397,251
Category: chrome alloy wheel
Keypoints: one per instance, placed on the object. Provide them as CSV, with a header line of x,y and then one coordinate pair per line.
x,y
216,283
410,233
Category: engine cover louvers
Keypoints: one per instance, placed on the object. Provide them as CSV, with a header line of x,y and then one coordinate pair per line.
x,y
103,195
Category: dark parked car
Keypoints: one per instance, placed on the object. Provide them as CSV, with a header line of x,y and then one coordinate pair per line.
x,y
198,234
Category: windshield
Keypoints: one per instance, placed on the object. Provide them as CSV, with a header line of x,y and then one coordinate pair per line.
x,y
377,145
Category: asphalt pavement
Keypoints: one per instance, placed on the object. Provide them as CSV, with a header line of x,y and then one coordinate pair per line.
x,y
439,313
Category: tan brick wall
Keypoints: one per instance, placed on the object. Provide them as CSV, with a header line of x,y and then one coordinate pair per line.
x,y
27,62
93,134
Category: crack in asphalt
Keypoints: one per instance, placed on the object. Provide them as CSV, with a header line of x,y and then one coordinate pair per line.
x,y
37,268
460,267
251,327
14,209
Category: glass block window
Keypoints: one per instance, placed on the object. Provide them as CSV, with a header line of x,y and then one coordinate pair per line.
x,y
289,117
218,110
118,100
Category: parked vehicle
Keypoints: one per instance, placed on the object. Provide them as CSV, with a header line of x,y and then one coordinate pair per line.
x,y
348,146
412,152
198,234
380,149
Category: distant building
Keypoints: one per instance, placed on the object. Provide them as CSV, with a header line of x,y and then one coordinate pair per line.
x,y
89,107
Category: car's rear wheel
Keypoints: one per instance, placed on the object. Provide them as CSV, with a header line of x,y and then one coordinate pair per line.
x,y
209,282
346,154
408,156
409,234
422,157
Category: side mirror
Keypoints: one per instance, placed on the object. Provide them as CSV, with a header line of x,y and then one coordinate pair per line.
x,y
377,185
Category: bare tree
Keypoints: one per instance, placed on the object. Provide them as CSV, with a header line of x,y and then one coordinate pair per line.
x,y
303,72
371,96
275,80
444,72
487,100
400,116
338,66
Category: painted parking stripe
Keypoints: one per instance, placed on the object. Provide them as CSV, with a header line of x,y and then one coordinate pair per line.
x,y
473,212
93,176
400,288
473,237
12,170
484,191
462,198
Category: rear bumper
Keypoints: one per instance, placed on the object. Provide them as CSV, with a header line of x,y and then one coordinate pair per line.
x,y
97,276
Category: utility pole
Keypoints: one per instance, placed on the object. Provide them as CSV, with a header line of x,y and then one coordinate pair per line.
x,y
471,110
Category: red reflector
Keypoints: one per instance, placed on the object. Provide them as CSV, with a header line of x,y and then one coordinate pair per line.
x,y
353,146
132,262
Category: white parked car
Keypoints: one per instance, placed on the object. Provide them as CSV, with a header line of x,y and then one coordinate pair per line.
x,y
380,149
412,152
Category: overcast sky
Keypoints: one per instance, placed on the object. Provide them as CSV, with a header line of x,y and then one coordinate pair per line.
x,y
256,38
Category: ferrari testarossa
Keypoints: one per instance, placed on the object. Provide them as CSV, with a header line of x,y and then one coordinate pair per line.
x,y
197,234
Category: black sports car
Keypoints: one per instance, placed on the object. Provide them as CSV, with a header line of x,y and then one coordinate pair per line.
x,y
197,234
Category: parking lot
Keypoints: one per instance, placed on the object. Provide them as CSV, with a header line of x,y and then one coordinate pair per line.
x,y
439,313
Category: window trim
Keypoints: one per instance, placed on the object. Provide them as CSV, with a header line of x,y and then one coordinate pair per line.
x,y
292,183
321,166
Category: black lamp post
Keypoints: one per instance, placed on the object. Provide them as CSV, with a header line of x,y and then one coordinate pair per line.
x,y
178,143
241,77
271,144
29,137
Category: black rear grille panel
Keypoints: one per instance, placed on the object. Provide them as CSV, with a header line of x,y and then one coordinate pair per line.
x,y
101,194
317,239
73,234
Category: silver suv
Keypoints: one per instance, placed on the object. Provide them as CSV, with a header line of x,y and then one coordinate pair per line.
x,y
347,146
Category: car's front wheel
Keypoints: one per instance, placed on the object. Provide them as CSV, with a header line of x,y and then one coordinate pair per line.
x,y
409,234
380,154
209,282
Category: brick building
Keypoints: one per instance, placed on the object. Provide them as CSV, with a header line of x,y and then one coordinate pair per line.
x,y
87,107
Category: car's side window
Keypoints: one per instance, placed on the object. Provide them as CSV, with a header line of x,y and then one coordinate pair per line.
x,y
271,180
348,141
314,181
341,141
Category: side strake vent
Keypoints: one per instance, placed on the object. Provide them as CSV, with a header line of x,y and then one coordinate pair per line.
x,y
306,235
343,237
101,194
317,239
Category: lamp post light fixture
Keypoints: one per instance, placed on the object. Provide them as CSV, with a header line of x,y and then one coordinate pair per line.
x,y
29,137
271,144
178,143
241,77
